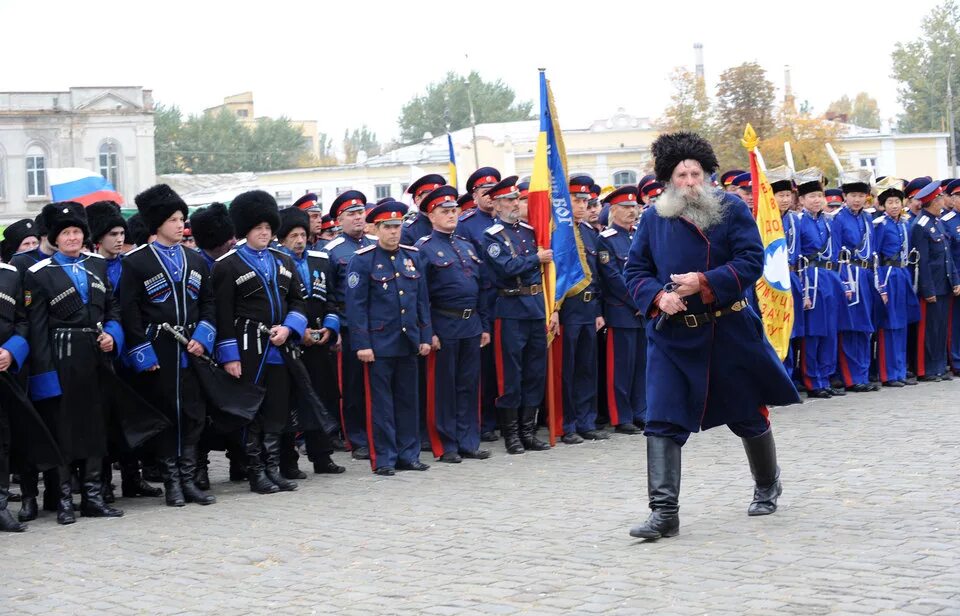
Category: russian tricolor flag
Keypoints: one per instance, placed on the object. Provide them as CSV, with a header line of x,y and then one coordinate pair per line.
x,y
81,185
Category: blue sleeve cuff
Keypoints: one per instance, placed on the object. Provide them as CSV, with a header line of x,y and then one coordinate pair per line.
x,y
332,321
18,347
113,328
45,385
206,335
142,357
296,322
227,351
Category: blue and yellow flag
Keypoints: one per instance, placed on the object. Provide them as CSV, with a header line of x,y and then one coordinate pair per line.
x,y
453,162
773,288
550,212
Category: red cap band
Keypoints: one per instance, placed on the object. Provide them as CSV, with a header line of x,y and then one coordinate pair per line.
x,y
629,199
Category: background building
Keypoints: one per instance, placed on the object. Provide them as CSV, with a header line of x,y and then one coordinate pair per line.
x,y
106,129
241,106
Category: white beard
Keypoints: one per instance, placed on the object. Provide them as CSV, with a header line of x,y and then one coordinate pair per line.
x,y
705,208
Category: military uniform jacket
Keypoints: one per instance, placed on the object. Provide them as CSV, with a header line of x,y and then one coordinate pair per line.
x,y
619,309
471,227
584,307
339,251
934,268
387,299
22,261
149,296
893,277
417,227
247,298
951,224
511,251
452,269
14,329
321,311
820,244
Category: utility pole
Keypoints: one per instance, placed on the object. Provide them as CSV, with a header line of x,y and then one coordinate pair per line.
x,y
473,116
953,139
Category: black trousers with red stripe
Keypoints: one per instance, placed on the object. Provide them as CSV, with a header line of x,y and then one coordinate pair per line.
x,y
521,353
932,336
453,396
626,374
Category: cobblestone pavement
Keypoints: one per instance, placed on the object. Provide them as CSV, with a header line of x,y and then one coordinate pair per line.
x,y
869,522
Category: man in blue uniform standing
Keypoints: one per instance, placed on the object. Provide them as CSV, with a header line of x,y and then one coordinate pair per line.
x,y
390,325
579,321
937,280
460,322
854,227
419,225
349,209
951,222
626,348
695,253
520,336
473,222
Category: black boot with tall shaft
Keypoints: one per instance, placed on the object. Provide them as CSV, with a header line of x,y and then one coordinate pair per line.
x,y
663,489
762,456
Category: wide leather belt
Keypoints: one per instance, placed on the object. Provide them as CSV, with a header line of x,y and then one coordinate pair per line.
x,y
830,265
533,289
455,313
864,263
587,296
696,320
894,263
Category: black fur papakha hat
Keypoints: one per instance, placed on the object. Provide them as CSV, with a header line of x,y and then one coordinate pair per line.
x,y
671,148
251,208
212,226
158,203
103,216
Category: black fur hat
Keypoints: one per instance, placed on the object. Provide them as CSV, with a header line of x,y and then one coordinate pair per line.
x,y
670,149
61,215
290,219
211,226
103,216
158,203
137,232
251,208
14,235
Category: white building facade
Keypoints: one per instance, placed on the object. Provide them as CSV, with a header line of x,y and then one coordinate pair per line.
x,y
107,130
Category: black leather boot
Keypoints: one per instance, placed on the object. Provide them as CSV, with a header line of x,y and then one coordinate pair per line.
x,y
188,479
132,483
324,465
91,500
7,522
762,456
509,428
28,509
202,476
29,490
663,488
173,492
51,488
528,430
65,513
106,478
259,482
289,468
271,450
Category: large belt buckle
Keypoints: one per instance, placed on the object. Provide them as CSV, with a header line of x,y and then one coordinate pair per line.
x,y
739,305
467,313
587,296
690,320
535,289
830,265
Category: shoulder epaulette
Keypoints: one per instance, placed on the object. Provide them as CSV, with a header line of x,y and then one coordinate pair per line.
x,y
318,254
879,220
95,254
949,216
140,247
923,221
334,243
370,236
467,214
229,252
39,265
424,239
528,226
413,248
241,242
408,222
497,228
608,232
8,266
366,249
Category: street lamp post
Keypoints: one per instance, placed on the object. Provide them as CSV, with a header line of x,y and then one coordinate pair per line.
x,y
952,141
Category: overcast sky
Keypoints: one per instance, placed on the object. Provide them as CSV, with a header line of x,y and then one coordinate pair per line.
x,y
350,63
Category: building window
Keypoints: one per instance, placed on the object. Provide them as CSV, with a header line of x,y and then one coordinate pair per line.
x,y
383,191
109,163
36,173
868,162
403,188
242,113
3,180
624,178
342,189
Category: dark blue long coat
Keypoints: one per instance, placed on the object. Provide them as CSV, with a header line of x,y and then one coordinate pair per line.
x,y
721,372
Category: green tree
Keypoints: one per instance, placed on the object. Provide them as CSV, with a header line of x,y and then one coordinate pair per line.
x,y
921,66
842,106
359,140
690,108
275,144
862,110
166,122
446,104
744,95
